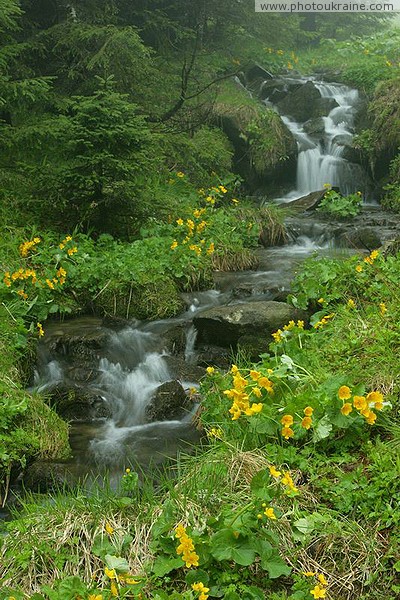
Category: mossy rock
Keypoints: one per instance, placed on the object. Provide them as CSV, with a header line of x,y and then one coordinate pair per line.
x,y
158,299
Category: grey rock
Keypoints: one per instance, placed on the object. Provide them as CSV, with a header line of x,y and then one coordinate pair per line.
x,y
170,402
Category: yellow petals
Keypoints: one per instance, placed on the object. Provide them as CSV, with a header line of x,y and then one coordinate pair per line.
x,y
382,308
40,329
359,268
359,402
344,392
287,433
109,529
306,422
274,472
174,245
322,579
210,370
269,512
114,589
318,592
287,420
111,574
346,409
308,411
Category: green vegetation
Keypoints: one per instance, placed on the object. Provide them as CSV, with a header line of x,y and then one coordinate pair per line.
x,y
333,203
120,128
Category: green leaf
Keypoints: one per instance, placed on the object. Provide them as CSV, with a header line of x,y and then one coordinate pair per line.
x,y
101,546
271,561
71,587
259,485
322,430
164,564
196,575
116,562
305,525
229,545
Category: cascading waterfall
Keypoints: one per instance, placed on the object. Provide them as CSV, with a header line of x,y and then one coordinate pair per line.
x,y
320,157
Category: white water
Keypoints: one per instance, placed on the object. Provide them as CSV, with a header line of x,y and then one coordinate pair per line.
x,y
320,157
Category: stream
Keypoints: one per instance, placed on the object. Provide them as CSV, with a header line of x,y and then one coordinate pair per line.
x,y
122,366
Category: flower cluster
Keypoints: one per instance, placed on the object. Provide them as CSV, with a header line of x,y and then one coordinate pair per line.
x,y
244,389
25,247
363,404
282,334
284,478
119,578
193,231
186,547
323,321
288,420
319,590
200,587
268,512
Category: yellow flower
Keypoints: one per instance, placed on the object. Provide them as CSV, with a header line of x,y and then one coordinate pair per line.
x,y
269,512
306,422
374,254
210,370
255,375
174,245
50,284
382,308
72,251
114,589
109,529
359,402
274,472
179,221
131,581
308,573
210,248
344,392
308,411
40,329
359,268
373,397
61,246
111,574
371,418
67,239
180,174
351,303
287,420
94,597
235,201
287,433
322,579
257,392
127,471
318,592
346,409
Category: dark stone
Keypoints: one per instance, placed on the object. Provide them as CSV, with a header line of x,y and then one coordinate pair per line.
x,y
44,477
78,404
175,339
314,127
225,325
184,371
309,202
365,238
305,103
257,72
252,346
169,403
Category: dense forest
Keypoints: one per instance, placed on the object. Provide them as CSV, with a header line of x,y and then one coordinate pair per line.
x,y
143,146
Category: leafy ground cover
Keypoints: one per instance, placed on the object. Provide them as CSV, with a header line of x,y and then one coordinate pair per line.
x,y
293,493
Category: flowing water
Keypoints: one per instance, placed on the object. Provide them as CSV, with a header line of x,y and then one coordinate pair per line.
x,y
128,365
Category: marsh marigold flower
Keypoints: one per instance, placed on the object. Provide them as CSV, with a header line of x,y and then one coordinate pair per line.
x,y
344,392
306,422
287,433
270,513
308,411
274,472
346,409
318,592
287,420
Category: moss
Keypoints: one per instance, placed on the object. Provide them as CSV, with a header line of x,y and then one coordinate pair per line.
x,y
258,134
157,299
29,429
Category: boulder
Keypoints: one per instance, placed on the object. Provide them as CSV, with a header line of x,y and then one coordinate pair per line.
x,y
43,477
256,71
75,403
305,103
169,403
225,325
314,127
308,202
364,237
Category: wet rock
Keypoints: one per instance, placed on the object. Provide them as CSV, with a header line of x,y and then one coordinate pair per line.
x,y
214,356
44,477
308,202
314,127
78,404
305,103
175,339
256,71
225,325
364,238
184,371
169,403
